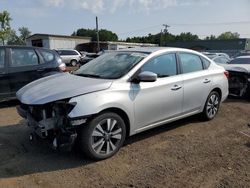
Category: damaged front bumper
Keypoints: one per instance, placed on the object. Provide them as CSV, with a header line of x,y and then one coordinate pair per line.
x,y
51,122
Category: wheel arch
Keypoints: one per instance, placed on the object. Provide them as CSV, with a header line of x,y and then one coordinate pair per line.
x,y
218,90
123,115
73,60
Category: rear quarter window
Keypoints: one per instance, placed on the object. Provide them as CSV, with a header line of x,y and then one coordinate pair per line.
x,y
206,63
47,55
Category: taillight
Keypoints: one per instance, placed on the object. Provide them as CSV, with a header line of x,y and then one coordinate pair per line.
x,y
62,67
226,73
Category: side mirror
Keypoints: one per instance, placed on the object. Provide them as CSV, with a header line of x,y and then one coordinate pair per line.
x,y
147,76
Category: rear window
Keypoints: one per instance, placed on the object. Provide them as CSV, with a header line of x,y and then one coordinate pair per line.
x,y
2,54
67,52
190,62
240,61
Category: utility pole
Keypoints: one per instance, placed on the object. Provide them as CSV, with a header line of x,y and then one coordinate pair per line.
x,y
166,26
97,35
161,38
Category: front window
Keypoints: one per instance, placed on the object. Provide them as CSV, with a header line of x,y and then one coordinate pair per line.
x,y
111,65
163,66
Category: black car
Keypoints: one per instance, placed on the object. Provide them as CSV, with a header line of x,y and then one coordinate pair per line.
x,y
20,65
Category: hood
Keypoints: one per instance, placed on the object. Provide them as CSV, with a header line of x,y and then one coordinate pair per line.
x,y
237,67
59,86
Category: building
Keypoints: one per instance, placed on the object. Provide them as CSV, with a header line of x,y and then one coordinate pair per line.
x,y
56,41
109,45
230,47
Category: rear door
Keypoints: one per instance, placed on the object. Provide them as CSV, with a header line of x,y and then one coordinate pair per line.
x,y
4,82
196,80
23,68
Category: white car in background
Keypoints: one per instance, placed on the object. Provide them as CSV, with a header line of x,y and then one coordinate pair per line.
x,y
70,57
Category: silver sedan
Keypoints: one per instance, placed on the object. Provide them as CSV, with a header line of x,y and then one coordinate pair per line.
x,y
120,94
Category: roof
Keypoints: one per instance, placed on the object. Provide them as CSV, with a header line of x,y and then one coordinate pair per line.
x,y
154,49
58,36
23,46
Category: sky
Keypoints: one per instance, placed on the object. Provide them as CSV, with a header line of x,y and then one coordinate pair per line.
x,y
128,18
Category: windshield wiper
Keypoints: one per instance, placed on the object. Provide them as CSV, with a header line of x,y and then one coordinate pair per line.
x,y
89,75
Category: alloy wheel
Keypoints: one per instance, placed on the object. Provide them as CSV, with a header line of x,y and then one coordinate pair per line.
x,y
106,136
212,105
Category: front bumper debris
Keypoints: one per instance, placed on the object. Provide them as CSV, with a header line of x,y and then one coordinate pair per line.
x,y
50,123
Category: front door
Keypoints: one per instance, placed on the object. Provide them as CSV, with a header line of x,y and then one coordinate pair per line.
x,y
162,99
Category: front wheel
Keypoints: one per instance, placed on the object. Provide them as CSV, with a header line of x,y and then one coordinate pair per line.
x,y
103,136
211,106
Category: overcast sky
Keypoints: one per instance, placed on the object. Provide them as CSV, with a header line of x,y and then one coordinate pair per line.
x,y
128,18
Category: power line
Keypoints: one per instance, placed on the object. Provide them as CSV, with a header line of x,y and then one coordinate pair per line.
x,y
215,23
188,24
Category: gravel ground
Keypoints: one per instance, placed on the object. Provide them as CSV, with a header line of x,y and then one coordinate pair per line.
x,y
187,153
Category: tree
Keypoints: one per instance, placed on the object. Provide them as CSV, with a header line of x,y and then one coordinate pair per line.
x,y
211,37
104,35
186,37
228,35
13,39
5,25
24,33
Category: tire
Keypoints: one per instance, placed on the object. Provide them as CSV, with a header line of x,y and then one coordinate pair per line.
x,y
103,136
73,63
212,106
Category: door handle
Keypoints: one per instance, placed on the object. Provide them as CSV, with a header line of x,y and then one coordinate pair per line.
x,y
206,81
176,87
40,70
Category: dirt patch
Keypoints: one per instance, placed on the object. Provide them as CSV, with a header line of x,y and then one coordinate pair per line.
x,y
187,153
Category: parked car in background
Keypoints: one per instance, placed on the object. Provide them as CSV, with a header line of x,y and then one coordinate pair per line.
x,y
239,80
20,65
122,93
220,58
242,53
88,57
70,57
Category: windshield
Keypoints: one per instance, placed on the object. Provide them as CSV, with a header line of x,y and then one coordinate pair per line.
x,y
111,65
240,61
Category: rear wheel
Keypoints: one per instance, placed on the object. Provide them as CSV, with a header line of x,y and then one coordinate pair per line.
x,y
73,63
103,136
211,106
